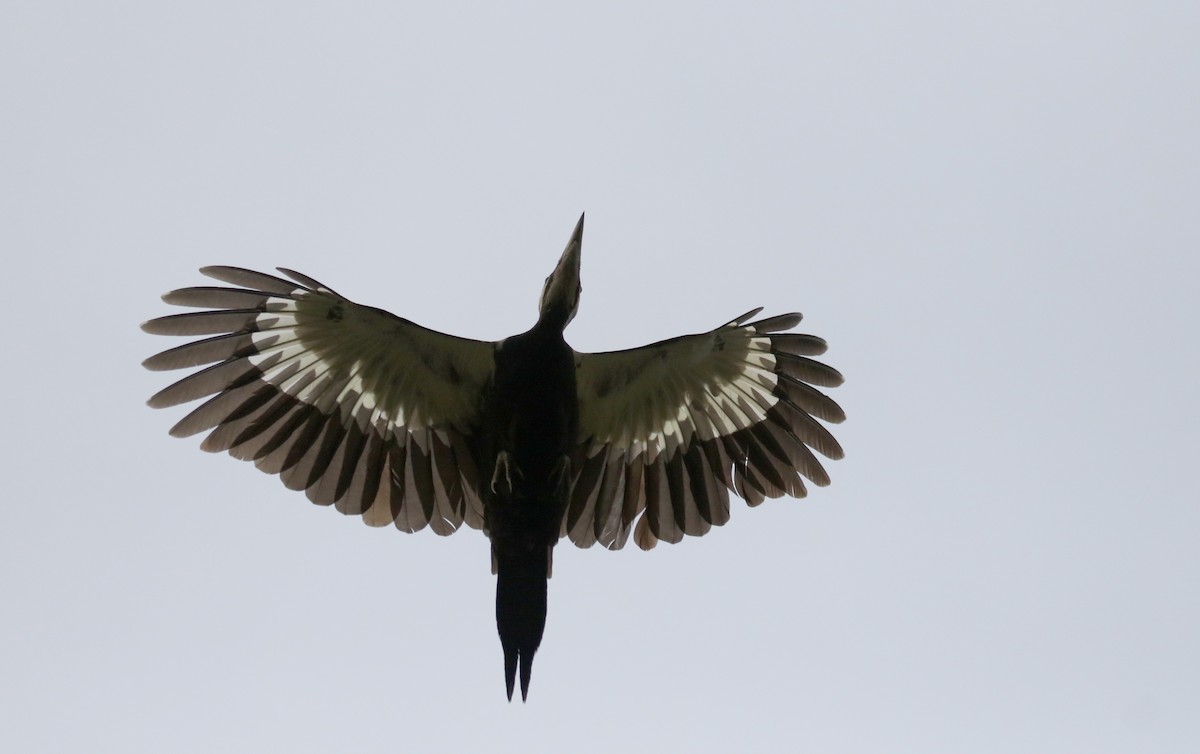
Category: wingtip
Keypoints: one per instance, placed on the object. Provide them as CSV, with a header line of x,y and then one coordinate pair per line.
x,y
739,321
152,326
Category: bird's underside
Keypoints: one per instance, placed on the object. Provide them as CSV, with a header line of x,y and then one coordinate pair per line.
x,y
525,439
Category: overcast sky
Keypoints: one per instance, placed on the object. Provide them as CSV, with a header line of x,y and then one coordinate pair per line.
x,y
990,212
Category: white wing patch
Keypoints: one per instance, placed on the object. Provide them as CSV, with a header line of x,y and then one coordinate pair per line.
x,y
355,406
666,431
706,387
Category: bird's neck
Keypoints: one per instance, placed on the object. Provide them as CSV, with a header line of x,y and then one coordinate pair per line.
x,y
552,322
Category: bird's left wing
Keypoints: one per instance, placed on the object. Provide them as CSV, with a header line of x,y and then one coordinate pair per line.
x,y
356,406
667,430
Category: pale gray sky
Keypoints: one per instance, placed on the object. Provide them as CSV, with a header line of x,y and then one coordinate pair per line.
x,y
989,211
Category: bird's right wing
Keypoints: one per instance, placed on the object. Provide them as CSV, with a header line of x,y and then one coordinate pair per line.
x,y
356,406
667,430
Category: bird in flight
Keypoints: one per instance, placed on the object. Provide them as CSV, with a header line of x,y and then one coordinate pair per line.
x,y
524,439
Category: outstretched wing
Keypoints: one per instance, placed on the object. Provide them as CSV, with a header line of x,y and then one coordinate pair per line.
x,y
667,430
356,406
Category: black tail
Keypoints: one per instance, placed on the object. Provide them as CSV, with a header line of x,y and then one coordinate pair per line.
x,y
520,610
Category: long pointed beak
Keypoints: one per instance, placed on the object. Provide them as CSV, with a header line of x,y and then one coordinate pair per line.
x,y
577,234
568,265
562,287
571,254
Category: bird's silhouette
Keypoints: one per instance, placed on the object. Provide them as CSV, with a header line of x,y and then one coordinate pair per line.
x,y
525,439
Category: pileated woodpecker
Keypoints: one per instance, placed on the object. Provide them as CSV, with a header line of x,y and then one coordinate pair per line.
x,y
525,439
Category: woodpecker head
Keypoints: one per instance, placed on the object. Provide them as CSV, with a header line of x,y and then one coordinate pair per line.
x,y
560,296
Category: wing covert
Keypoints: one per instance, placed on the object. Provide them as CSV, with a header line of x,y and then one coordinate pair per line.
x,y
359,408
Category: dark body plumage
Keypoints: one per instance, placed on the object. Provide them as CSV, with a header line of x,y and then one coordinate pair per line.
x,y
526,439
532,415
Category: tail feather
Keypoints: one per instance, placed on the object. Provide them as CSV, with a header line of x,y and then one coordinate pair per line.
x,y
520,612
